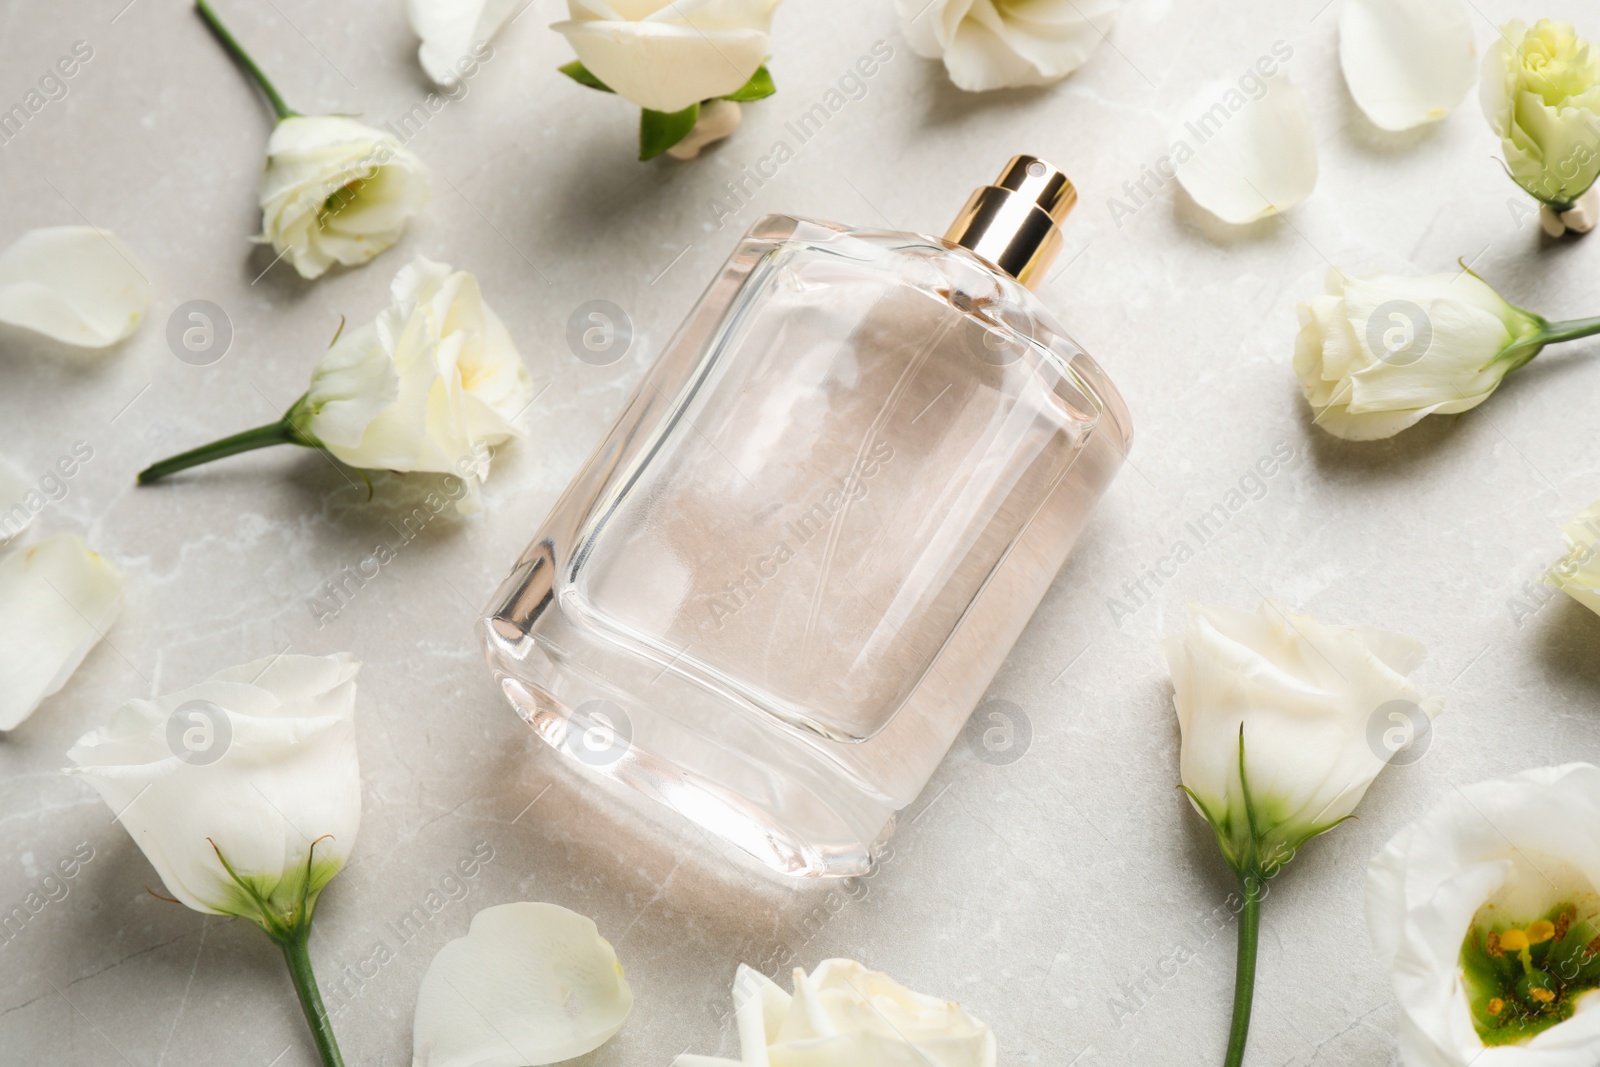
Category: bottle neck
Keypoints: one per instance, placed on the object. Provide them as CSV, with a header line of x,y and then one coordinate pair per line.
x,y
1014,223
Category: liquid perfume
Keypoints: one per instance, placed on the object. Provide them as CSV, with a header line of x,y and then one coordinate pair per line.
x,y
779,587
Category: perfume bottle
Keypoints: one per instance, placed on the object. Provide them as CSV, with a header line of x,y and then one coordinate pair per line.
x,y
781,584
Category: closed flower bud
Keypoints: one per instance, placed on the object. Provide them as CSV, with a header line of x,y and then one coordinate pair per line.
x,y
1540,89
1378,354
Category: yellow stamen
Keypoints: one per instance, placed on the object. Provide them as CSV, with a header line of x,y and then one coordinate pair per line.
x,y
1541,931
1514,940
1496,1005
1543,996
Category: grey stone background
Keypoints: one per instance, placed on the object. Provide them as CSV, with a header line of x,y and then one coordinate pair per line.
x,y
1064,896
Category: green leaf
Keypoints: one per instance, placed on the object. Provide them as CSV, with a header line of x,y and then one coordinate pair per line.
x,y
580,74
759,86
660,130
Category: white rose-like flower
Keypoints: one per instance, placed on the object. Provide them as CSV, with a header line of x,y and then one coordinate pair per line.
x,y
1487,912
429,386
243,791
995,44
666,55
844,1015
1311,705
426,386
336,191
1378,354
1578,572
1407,62
530,984
1540,90
57,599
77,284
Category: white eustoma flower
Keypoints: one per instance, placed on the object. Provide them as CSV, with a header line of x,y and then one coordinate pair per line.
x,y
244,791
1243,157
77,284
1311,705
428,386
424,388
1407,62
336,191
844,1015
666,55
994,44
333,190
1487,912
1578,572
453,33
1540,90
57,599
1378,354
530,984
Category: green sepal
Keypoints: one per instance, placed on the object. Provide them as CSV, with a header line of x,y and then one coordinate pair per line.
x,y
281,905
660,130
757,88
1249,851
580,74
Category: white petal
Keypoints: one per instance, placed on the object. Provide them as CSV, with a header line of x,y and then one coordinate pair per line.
x,y
992,44
56,599
15,514
663,66
530,984
1407,62
844,1015
1252,157
451,28
77,284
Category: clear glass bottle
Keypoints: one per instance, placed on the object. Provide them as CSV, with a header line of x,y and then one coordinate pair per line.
x,y
778,588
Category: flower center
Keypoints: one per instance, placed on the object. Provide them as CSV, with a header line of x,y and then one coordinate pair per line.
x,y
1556,64
341,197
1523,979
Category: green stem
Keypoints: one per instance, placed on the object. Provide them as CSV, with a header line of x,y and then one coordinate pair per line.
x,y
1244,975
1570,330
305,985
237,51
276,433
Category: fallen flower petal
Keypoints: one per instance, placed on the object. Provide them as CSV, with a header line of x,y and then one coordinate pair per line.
x,y
1249,158
530,984
1407,62
77,284
57,598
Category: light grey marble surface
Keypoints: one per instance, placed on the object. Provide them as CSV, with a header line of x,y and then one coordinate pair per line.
x,y
1047,894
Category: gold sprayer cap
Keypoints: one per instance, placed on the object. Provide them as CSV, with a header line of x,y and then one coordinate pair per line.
x,y
1013,223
